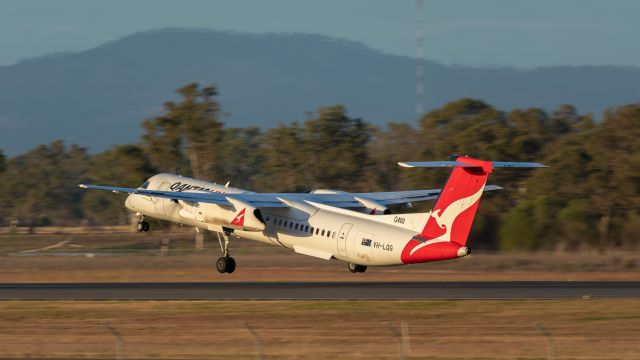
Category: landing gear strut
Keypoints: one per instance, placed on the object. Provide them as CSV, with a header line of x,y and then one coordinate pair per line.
x,y
225,264
354,268
142,225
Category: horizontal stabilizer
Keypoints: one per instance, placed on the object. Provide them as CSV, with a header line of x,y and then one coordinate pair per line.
x,y
454,164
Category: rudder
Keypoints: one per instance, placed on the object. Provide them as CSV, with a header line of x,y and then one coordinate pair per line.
x,y
455,208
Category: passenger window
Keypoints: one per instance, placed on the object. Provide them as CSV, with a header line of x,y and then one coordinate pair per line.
x,y
312,230
285,223
266,219
296,227
333,235
291,225
322,232
328,233
306,228
317,231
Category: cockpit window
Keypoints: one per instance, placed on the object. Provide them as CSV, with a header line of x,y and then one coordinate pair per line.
x,y
145,185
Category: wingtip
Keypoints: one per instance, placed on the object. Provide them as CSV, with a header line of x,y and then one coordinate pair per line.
x,y
83,186
403,164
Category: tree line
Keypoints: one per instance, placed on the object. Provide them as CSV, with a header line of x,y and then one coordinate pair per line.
x,y
589,198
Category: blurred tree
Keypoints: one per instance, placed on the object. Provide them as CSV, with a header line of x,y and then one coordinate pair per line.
x,y
190,131
3,191
242,158
284,152
122,165
398,142
615,193
328,151
3,161
44,184
334,148
530,132
466,126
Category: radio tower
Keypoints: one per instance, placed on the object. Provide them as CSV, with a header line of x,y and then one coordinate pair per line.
x,y
419,57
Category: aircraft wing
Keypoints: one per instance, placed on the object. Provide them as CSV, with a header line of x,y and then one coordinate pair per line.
x,y
202,196
272,200
343,199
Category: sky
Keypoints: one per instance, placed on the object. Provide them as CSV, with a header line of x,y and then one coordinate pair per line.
x,y
520,33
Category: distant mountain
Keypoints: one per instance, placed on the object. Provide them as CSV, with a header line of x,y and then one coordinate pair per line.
x,y
99,97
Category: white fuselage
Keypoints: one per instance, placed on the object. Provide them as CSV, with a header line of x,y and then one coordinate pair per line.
x,y
307,228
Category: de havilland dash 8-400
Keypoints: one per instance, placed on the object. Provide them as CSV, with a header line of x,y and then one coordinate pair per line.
x,y
356,228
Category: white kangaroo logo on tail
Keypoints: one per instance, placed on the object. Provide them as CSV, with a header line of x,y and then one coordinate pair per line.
x,y
445,218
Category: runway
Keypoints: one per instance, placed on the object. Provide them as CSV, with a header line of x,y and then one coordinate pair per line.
x,y
322,290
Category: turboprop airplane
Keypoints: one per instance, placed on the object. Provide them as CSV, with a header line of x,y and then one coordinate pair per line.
x,y
356,228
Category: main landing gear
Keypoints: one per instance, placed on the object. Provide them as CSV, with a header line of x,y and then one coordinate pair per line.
x,y
142,225
354,268
225,264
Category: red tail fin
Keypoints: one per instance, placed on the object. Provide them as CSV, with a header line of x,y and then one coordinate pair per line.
x,y
445,234
456,206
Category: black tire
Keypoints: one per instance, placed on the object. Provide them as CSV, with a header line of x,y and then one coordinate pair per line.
x,y
221,265
231,265
145,226
361,268
352,267
140,226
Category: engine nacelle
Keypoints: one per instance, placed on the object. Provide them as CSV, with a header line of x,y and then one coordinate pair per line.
x,y
373,207
238,216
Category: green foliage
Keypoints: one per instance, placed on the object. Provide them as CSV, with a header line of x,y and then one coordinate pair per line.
x,y
241,159
524,227
327,151
43,183
125,165
334,149
576,224
3,162
188,133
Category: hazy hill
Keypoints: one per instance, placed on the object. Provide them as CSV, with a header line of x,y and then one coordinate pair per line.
x,y
98,97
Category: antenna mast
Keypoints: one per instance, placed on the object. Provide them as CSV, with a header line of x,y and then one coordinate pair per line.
x,y
419,57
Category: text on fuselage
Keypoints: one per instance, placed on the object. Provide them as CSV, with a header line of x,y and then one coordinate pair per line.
x,y
178,186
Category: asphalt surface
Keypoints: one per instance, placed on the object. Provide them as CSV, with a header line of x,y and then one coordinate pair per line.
x,y
323,290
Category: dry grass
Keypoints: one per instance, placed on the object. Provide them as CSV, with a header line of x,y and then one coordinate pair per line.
x,y
582,329
137,257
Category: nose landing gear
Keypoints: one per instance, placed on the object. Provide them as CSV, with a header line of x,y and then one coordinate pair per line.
x,y
225,263
142,225
354,268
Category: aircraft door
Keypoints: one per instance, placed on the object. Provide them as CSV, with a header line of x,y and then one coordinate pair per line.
x,y
343,235
159,201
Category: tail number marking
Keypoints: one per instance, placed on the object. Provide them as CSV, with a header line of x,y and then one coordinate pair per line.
x,y
382,246
399,219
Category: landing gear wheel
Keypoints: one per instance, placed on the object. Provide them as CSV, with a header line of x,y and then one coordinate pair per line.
x,y
142,226
221,265
231,265
354,268
225,265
